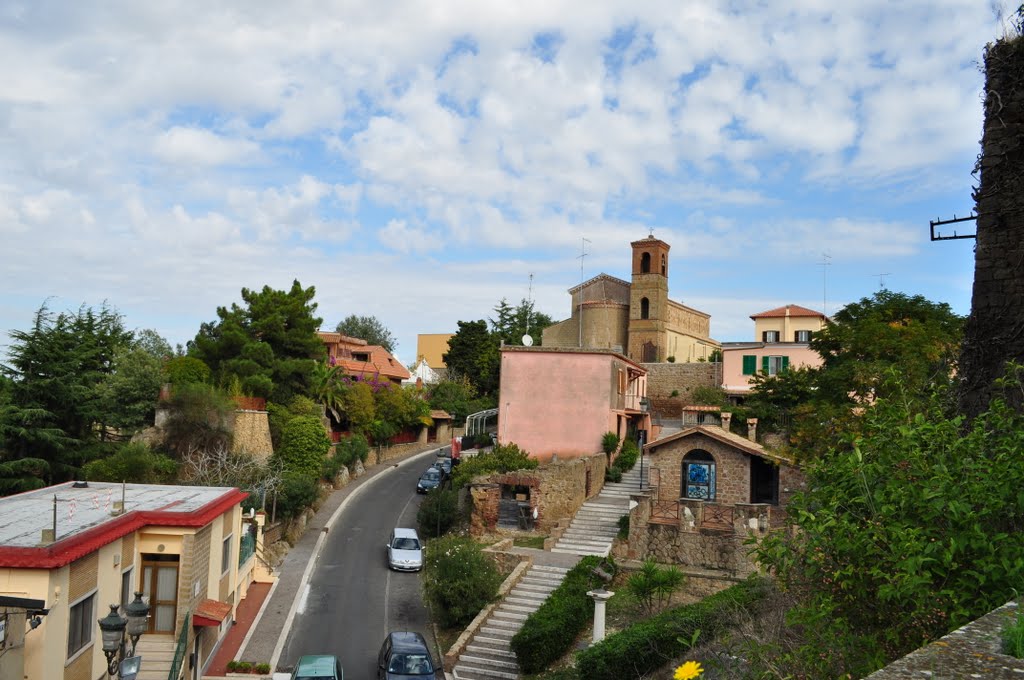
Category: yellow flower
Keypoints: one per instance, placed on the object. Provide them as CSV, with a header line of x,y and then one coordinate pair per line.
x,y
688,671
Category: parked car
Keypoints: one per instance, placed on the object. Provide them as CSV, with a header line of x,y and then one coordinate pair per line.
x,y
405,551
404,655
430,479
444,465
318,667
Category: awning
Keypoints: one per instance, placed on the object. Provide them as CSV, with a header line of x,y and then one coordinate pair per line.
x,y
210,613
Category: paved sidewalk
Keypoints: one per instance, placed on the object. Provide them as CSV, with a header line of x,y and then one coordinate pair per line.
x,y
270,625
246,614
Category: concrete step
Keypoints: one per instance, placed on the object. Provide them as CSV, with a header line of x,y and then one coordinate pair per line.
x,y
491,652
509,615
540,587
495,664
581,551
545,569
492,632
474,672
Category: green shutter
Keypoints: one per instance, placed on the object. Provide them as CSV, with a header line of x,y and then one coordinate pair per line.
x,y
749,364
764,364
785,363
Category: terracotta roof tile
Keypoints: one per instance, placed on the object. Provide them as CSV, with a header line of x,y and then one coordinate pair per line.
x,y
213,609
788,310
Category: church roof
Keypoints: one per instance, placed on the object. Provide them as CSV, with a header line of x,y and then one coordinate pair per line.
x,y
596,279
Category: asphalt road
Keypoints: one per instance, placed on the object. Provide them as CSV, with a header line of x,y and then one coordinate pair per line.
x,y
353,600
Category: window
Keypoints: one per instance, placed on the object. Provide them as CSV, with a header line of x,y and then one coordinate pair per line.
x,y
645,308
126,589
774,365
622,381
749,364
645,263
802,336
225,555
360,356
81,620
770,336
699,476
664,266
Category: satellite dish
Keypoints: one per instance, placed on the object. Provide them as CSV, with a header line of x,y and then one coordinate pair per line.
x,y
527,340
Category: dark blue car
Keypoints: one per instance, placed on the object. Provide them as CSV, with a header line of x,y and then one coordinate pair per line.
x,y
431,479
404,656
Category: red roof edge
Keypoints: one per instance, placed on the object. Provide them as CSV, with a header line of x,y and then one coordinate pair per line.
x,y
69,549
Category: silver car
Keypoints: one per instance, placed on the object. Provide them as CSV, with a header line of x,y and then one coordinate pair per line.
x,y
405,551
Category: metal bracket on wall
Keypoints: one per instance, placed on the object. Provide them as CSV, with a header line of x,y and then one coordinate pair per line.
x,y
937,223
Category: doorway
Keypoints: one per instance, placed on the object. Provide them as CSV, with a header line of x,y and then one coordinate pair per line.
x,y
160,588
764,481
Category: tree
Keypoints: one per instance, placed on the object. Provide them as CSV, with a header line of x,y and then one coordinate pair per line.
x,y
473,353
909,528
153,344
129,392
456,396
133,463
199,418
515,322
367,328
270,344
183,370
358,407
55,411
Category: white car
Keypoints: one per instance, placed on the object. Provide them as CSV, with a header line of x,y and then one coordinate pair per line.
x,y
405,551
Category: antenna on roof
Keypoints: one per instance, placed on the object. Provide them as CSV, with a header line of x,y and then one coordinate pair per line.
x,y
529,308
583,254
881,279
824,264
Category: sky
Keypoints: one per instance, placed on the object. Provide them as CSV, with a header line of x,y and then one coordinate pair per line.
x,y
420,161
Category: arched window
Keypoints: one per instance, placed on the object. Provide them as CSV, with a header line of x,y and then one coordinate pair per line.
x,y
698,476
645,308
645,263
664,265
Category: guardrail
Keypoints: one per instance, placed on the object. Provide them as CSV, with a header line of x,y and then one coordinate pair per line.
x,y
179,650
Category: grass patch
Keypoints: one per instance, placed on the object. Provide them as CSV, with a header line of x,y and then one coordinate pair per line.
x,y
1013,637
529,542
446,637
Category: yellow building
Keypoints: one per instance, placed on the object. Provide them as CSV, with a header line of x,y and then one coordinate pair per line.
x,y
635,318
80,547
432,347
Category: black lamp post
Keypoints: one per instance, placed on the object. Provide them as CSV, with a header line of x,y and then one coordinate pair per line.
x,y
645,406
113,627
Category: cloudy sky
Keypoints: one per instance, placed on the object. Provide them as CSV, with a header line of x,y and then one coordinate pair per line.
x,y
418,161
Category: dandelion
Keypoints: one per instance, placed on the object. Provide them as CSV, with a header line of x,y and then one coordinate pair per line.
x,y
688,671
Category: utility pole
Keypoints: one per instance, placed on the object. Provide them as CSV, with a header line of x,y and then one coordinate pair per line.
x,y
583,254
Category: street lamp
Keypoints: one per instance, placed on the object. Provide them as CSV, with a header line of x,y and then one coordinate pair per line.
x,y
113,628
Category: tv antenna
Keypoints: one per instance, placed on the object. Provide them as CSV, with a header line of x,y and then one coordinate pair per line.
x,y
824,264
881,279
583,255
529,311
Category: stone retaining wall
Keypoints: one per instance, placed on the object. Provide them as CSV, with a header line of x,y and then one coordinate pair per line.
x,y
664,378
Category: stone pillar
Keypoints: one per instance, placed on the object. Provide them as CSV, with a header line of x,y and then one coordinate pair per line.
x,y
600,597
752,429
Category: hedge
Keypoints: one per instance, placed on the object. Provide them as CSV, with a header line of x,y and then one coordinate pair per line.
x,y
550,632
649,644
627,456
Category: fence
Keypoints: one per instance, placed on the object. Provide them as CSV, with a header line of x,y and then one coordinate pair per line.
x,y
247,547
179,650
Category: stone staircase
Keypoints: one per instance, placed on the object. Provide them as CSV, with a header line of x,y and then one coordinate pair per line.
x,y
489,656
157,652
596,523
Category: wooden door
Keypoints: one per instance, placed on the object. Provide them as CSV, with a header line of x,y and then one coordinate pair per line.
x,y
160,588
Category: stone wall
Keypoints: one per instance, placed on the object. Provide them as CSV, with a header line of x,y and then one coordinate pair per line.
x,y
556,491
664,378
251,434
732,468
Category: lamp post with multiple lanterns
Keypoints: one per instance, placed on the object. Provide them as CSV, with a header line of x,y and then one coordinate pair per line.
x,y
121,661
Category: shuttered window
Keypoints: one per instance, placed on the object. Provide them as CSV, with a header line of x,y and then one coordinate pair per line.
x,y
749,364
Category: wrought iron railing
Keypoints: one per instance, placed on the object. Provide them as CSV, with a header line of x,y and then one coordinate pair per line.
x,y
179,650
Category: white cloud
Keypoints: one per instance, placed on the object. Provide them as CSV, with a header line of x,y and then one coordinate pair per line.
x,y
194,146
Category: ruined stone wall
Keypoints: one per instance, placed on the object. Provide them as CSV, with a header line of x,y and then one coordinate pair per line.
x,y
664,378
727,553
251,434
556,491
994,333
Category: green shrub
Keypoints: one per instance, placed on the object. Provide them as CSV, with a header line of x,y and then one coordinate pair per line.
x,y
624,527
670,359
296,493
482,440
232,666
613,474
438,512
304,444
652,586
1013,637
628,456
550,632
609,442
645,646
186,370
244,666
459,579
504,458
133,463
263,668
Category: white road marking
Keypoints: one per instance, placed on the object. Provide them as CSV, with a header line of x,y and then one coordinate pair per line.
x,y
303,600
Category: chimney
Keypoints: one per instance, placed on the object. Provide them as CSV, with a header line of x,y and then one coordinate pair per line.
x,y
726,420
752,429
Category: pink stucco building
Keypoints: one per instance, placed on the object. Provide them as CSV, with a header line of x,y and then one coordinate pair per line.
x,y
561,401
782,337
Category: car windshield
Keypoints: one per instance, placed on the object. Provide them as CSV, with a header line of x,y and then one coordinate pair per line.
x,y
406,544
432,473
411,664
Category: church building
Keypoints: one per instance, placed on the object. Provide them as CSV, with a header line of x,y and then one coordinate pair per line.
x,y
635,318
